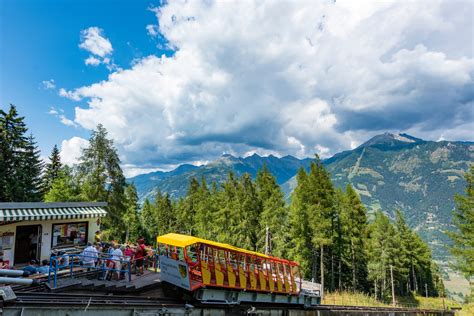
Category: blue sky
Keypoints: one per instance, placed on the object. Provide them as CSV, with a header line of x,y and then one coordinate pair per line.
x,y
39,42
187,81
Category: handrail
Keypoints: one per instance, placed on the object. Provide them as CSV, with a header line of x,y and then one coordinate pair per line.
x,y
54,268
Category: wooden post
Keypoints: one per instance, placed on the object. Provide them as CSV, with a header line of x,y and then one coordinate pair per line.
x,y
375,286
322,271
393,286
426,290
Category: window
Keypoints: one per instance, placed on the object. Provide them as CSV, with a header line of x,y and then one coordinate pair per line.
x,y
69,234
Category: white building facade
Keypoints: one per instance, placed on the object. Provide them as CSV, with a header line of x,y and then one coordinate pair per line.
x,y
32,230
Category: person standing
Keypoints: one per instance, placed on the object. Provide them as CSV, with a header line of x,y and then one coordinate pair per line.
x,y
117,256
90,256
139,256
33,245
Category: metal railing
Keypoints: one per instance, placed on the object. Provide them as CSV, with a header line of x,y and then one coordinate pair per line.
x,y
69,261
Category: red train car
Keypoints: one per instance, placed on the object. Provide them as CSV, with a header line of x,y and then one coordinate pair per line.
x,y
217,272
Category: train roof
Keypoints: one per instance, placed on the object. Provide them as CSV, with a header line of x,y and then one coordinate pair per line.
x,y
180,240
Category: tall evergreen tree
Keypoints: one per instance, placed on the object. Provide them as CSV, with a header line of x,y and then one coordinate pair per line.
x,y
246,215
406,255
165,215
301,247
226,218
321,210
188,207
30,169
20,164
103,180
382,254
148,221
274,214
131,214
206,210
51,170
64,188
354,222
463,238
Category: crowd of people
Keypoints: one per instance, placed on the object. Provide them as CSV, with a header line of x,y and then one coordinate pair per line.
x,y
116,257
113,256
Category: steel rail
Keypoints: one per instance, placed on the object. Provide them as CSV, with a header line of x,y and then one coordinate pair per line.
x,y
70,299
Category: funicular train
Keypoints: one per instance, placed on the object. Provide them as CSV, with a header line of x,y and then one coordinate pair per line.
x,y
212,272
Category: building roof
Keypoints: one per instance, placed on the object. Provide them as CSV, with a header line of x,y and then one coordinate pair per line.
x,y
33,211
182,241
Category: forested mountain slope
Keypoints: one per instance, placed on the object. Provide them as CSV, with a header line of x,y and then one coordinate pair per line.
x,y
176,182
388,171
400,171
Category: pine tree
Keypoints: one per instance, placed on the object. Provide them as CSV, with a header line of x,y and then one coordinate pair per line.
x,y
246,214
65,187
354,222
148,221
20,163
274,214
206,210
382,254
166,221
131,215
301,247
226,218
463,238
102,179
406,254
188,207
51,170
30,170
321,210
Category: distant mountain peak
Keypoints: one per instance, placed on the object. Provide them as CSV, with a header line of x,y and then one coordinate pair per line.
x,y
390,139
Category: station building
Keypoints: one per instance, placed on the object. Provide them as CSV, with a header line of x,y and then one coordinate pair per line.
x,y
32,230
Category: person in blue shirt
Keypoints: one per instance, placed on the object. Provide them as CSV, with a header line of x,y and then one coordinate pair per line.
x,y
31,268
44,267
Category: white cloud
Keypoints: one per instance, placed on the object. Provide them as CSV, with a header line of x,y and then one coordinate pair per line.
x,y
62,118
71,150
66,121
91,60
152,30
287,77
53,111
72,95
48,84
94,41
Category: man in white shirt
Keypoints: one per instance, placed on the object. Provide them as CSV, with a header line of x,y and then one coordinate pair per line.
x,y
90,256
117,255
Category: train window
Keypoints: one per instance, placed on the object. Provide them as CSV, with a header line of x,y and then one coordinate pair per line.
x,y
191,253
295,271
251,264
233,259
221,256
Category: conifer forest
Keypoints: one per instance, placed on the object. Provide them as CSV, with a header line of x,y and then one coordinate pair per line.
x,y
326,229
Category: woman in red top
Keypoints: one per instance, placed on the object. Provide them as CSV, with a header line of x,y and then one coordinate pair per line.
x,y
139,254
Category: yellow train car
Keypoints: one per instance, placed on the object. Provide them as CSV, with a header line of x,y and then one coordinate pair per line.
x,y
218,272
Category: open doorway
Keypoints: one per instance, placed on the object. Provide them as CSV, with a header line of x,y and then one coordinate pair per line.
x,y
27,243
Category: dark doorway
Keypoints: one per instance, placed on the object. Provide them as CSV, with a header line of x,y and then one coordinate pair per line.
x,y
27,243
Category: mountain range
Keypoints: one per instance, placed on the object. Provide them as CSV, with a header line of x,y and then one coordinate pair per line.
x,y
389,171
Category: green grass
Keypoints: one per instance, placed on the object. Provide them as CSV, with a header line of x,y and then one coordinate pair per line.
x,y
467,310
360,299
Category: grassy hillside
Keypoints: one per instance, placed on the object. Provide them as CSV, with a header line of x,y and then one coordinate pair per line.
x,y
360,299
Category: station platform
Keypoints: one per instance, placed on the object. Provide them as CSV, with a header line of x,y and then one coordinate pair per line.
x,y
149,281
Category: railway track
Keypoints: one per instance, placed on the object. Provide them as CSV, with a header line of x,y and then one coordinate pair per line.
x,y
65,299
115,302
